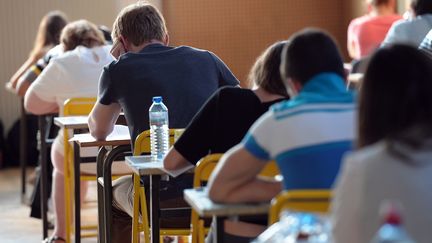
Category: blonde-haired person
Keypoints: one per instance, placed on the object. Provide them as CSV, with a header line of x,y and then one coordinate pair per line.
x,y
47,37
72,74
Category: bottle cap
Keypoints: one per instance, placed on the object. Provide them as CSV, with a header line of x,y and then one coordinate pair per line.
x,y
157,99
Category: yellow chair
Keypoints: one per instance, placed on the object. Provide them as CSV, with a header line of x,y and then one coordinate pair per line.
x,y
313,201
72,107
202,173
80,107
142,146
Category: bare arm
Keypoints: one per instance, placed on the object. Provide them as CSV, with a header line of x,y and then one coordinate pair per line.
x,y
37,106
102,119
174,160
235,179
14,79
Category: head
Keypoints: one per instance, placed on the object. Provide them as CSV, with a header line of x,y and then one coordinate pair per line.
x,y
377,3
395,95
48,34
420,7
308,53
81,33
138,24
265,72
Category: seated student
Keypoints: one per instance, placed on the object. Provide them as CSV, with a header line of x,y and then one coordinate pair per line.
x,y
394,160
217,127
47,37
366,33
73,74
306,135
184,76
412,31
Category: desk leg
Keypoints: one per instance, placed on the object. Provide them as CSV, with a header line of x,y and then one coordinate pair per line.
x,y
23,152
219,229
107,189
154,207
44,175
100,198
77,189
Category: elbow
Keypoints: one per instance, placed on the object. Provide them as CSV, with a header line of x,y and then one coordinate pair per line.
x,y
96,131
174,160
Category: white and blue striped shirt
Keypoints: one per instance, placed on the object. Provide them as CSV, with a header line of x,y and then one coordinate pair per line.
x,y
308,134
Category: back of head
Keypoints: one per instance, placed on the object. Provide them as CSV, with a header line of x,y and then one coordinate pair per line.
x,y
395,94
377,3
139,23
49,31
309,53
421,7
81,33
265,71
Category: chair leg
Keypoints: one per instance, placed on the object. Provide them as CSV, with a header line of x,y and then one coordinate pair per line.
x,y
135,217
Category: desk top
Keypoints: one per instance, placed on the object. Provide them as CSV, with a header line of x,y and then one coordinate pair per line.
x,y
144,165
71,122
119,136
198,199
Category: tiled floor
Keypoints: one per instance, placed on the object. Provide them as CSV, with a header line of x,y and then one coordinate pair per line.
x,y
15,224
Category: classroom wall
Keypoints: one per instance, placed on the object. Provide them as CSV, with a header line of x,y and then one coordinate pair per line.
x,y
238,31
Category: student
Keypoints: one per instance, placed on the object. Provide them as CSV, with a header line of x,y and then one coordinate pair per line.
x,y
412,31
217,126
394,160
306,135
366,33
48,36
184,76
73,74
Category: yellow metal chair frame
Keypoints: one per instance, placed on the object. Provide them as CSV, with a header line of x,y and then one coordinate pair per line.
x,y
73,107
142,145
202,173
313,201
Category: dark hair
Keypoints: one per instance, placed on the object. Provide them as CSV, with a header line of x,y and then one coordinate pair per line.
x,y
265,71
309,53
48,34
395,95
138,23
106,33
421,6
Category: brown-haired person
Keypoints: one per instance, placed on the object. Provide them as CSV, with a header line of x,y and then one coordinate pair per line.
x,y
47,37
367,32
217,127
394,157
74,73
184,76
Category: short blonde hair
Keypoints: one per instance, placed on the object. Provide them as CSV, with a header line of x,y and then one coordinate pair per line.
x,y
139,23
81,33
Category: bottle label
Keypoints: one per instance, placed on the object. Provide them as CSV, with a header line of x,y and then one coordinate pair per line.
x,y
158,118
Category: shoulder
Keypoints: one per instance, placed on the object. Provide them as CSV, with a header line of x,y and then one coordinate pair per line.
x,y
367,156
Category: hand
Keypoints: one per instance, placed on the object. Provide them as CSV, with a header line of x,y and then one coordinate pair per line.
x,y
10,87
117,49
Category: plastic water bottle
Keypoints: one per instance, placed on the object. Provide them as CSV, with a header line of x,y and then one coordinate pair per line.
x,y
159,134
392,231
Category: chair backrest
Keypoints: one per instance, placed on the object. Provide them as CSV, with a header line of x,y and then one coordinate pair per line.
x,y
204,169
312,201
78,106
142,141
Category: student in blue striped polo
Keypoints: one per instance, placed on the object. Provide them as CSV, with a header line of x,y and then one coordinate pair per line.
x,y
306,135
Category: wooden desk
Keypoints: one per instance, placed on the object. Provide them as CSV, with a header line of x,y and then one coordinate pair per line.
x,y
200,202
71,122
116,144
144,166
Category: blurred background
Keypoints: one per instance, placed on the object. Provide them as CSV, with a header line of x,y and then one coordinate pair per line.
x,y
237,31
